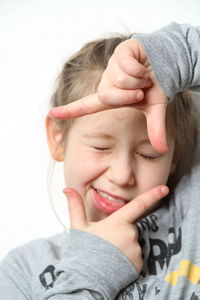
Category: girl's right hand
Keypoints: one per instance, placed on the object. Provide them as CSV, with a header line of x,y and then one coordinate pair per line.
x,y
118,228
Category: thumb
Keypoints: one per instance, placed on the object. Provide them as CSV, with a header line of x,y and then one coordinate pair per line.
x,y
77,214
156,118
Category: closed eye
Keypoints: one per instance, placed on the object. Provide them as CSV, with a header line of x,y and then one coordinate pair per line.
x,y
101,148
149,157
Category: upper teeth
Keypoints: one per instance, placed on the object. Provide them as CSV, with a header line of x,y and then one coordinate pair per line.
x,y
109,197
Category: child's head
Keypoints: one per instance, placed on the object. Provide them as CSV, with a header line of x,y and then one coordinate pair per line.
x,y
107,156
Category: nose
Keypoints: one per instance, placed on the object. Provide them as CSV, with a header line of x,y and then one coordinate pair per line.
x,y
121,171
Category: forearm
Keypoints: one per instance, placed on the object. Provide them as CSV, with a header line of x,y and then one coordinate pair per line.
x,y
90,269
174,54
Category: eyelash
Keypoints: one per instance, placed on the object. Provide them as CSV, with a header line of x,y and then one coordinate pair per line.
x,y
152,158
100,149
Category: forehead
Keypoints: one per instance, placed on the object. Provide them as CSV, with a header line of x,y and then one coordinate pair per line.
x,y
113,120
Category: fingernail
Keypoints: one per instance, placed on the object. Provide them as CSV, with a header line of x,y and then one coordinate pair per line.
x,y
139,95
67,192
164,190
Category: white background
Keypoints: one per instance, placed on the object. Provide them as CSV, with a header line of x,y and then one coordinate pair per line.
x,y
36,36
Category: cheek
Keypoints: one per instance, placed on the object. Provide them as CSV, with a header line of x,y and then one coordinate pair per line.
x,y
153,174
81,168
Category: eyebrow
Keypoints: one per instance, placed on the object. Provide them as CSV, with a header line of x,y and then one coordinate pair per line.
x,y
108,136
144,141
100,135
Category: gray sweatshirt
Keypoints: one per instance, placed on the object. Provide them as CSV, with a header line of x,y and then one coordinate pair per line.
x,y
78,265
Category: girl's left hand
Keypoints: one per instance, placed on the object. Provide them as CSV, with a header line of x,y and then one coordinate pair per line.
x,y
127,80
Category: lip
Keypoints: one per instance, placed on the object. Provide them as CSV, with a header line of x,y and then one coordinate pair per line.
x,y
104,204
112,195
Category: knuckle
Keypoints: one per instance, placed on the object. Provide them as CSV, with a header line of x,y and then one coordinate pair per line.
x,y
141,206
71,208
137,69
85,107
103,95
119,80
124,64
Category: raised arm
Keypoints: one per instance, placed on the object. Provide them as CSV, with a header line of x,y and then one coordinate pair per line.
x,y
174,54
171,57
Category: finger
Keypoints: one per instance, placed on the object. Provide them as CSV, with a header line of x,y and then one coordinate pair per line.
x,y
124,77
86,105
90,104
156,127
115,97
122,80
132,67
128,55
77,214
140,205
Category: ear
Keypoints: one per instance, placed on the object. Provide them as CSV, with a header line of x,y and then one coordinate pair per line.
x,y
54,137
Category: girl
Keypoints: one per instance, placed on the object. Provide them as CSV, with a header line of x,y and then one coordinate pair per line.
x,y
109,160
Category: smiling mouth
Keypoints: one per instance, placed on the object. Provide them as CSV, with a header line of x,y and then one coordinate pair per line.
x,y
106,202
109,197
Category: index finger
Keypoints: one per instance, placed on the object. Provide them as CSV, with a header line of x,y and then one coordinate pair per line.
x,y
91,104
86,105
141,205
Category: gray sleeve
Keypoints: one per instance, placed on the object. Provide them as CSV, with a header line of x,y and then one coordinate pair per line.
x,y
13,283
91,268
174,53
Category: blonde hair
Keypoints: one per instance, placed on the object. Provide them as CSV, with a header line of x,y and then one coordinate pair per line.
x,y
181,123
82,73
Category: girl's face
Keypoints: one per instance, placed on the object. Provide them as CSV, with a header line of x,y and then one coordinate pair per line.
x,y
109,160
